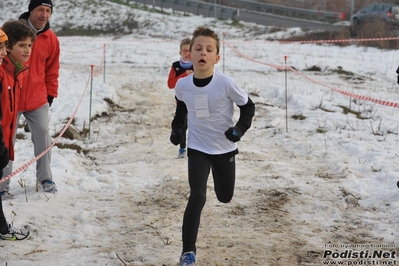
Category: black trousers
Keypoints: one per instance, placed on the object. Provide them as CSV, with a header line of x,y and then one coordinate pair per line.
x,y
3,221
199,166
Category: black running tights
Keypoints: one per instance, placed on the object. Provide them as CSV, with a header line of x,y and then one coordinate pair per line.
x,y
199,166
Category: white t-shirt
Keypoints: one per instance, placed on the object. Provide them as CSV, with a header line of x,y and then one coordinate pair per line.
x,y
210,111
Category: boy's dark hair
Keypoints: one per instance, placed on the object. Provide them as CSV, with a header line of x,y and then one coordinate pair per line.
x,y
185,41
205,31
16,31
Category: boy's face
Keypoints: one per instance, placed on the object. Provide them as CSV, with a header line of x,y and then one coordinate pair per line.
x,y
3,51
185,52
204,56
20,52
40,16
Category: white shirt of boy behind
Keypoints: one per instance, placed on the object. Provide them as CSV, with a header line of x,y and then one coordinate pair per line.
x,y
210,111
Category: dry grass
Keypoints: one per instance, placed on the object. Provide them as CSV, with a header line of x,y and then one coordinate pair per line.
x,y
347,36
326,5
377,30
322,5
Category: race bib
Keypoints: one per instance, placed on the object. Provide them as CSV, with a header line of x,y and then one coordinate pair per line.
x,y
201,106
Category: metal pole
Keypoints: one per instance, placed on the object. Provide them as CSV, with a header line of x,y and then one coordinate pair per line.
x,y
104,62
91,90
215,11
352,10
286,96
224,35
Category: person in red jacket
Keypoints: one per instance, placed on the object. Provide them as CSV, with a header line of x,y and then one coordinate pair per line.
x,y
14,52
180,69
39,88
13,71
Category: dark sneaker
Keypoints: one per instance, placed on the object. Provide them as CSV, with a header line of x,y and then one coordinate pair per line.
x,y
14,234
49,186
187,259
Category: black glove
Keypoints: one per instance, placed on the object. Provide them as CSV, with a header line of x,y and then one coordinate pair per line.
x,y
4,158
233,134
50,99
177,136
398,79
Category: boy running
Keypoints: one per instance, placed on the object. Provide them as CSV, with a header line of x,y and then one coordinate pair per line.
x,y
208,99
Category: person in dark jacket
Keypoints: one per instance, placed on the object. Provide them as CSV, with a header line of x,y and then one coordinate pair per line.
x,y
39,89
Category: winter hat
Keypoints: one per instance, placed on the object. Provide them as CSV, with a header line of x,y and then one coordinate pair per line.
x,y
35,3
3,36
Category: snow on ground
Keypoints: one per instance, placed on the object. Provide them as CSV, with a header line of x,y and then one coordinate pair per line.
x,y
315,180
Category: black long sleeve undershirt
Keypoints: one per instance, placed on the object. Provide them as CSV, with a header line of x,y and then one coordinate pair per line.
x,y
247,112
180,114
